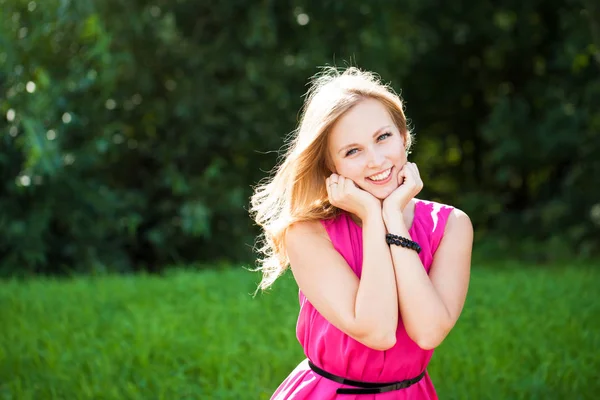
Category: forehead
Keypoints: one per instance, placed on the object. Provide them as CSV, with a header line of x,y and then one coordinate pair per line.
x,y
360,123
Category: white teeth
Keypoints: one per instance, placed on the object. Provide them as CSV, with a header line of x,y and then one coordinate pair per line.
x,y
381,176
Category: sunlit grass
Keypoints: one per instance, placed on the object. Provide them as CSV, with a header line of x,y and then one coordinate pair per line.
x,y
525,333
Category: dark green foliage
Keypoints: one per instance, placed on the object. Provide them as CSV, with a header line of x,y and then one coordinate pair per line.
x,y
511,118
149,122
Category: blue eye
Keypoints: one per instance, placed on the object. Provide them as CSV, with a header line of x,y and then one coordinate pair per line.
x,y
350,152
384,136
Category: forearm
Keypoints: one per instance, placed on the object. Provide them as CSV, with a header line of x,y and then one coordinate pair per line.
x,y
424,314
376,307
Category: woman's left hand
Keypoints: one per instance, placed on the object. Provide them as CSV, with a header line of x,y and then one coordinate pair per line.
x,y
409,185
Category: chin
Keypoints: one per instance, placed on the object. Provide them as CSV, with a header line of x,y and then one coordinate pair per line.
x,y
382,193
379,195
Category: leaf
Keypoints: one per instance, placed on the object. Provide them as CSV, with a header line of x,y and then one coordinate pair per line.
x,y
41,155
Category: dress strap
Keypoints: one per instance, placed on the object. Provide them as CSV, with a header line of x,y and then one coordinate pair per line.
x,y
435,221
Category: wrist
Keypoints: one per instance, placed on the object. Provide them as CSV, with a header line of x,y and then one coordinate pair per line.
x,y
402,241
391,212
394,221
371,213
397,227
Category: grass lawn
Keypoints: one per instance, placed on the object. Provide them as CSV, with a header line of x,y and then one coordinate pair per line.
x,y
525,333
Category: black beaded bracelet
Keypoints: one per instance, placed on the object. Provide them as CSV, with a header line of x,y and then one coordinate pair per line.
x,y
402,241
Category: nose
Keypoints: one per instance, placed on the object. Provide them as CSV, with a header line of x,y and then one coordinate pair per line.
x,y
376,159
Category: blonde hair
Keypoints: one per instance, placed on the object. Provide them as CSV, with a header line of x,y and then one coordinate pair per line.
x,y
296,191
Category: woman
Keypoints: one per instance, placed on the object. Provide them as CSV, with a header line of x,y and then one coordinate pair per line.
x,y
382,275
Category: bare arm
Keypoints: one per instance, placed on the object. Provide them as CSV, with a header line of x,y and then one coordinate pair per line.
x,y
431,304
365,309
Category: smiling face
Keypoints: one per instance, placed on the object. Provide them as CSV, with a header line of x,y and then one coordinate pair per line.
x,y
366,146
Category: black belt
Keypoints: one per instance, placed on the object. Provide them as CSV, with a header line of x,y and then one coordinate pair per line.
x,y
365,387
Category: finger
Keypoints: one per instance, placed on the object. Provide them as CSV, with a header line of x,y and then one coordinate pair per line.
x,y
348,184
418,179
415,177
415,171
408,170
351,184
334,188
402,170
331,190
416,167
406,177
334,178
341,184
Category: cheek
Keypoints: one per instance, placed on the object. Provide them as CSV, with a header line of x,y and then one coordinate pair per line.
x,y
350,169
402,158
398,151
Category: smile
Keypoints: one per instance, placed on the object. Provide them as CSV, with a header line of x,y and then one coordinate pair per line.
x,y
382,177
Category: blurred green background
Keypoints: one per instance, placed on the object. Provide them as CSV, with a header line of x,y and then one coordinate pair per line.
x,y
131,134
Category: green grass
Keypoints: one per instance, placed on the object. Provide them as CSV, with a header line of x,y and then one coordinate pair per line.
x,y
525,333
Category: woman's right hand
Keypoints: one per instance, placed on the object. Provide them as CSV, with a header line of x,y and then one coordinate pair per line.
x,y
343,193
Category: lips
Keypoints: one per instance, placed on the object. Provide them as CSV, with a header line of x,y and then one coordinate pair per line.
x,y
381,177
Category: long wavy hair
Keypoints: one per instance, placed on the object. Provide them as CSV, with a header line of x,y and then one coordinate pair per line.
x,y
295,190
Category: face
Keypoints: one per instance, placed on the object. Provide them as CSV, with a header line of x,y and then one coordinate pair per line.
x,y
365,146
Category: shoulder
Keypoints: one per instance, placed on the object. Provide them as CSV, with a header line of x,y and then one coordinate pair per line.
x,y
433,204
433,213
445,220
458,216
447,210
300,231
459,223
454,220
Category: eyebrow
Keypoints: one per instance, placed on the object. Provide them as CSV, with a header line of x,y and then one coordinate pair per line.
x,y
377,132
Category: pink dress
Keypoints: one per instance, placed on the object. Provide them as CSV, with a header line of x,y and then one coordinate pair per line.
x,y
337,353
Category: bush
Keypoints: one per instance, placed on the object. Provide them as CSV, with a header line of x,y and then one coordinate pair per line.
x,y
136,131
